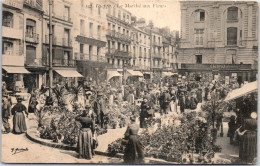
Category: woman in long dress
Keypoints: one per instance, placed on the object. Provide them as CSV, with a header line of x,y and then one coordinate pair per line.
x,y
248,139
133,151
85,142
19,124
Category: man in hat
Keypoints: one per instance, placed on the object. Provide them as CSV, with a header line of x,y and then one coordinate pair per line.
x,y
99,108
6,113
182,102
165,101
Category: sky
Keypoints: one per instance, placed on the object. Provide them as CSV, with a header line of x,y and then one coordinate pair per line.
x,y
161,12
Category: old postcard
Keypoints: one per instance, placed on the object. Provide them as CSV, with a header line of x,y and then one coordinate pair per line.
x,y
129,81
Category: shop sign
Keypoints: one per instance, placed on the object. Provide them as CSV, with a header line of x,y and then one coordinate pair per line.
x,y
14,3
216,66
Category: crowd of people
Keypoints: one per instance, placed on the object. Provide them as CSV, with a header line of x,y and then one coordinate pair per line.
x,y
161,97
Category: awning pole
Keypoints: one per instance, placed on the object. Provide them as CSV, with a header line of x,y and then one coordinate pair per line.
x,y
50,46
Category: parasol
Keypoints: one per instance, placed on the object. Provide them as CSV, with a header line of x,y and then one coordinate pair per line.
x,y
245,90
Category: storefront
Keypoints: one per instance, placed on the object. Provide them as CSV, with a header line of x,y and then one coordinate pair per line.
x,y
222,72
13,73
66,75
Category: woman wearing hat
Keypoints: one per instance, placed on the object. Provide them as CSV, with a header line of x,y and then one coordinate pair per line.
x,y
133,151
85,139
19,124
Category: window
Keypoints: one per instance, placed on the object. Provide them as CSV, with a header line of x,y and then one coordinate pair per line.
x,y
7,48
199,37
30,54
82,3
119,29
90,52
199,15
7,19
127,33
134,62
109,26
199,59
91,7
202,16
140,52
114,12
118,46
82,27
232,13
113,61
99,10
66,13
144,39
127,18
90,29
81,48
126,48
30,28
109,10
118,61
119,14
98,52
99,31
124,16
66,58
114,27
144,51
124,31
232,36
123,47
159,40
66,37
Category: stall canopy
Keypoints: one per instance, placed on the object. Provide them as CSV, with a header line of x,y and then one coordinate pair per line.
x,y
111,74
68,73
245,90
16,69
134,73
165,74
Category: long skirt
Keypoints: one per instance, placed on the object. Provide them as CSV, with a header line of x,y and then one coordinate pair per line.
x,y
248,146
19,124
133,151
85,144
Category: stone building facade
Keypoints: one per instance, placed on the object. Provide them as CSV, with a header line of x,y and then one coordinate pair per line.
x,y
219,33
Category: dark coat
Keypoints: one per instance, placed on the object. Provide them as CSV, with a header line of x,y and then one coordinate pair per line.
x,y
6,108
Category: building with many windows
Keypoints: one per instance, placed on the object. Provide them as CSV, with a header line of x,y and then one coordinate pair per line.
x,y
13,56
63,61
140,49
118,35
219,38
89,37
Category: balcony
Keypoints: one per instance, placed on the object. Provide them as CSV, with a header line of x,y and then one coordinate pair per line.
x,y
32,37
33,61
47,40
13,33
111,33
63,62
66,18
66,42
122,53
155,43
157,55
81,56
59,62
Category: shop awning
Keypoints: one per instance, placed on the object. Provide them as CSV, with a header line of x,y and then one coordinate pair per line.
x,y
134,73
16,69
68,73
164,74
245,90
112,73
